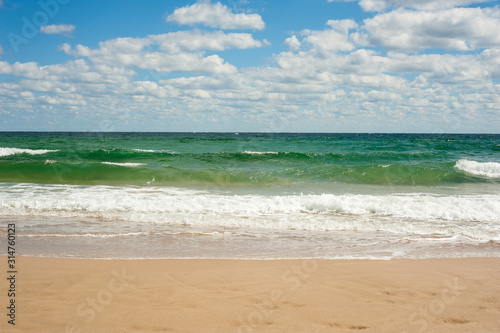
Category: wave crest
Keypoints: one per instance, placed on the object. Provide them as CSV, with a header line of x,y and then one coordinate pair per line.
x,y
123,164
4,151
487,169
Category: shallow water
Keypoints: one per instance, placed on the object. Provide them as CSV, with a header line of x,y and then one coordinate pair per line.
x,y
177,195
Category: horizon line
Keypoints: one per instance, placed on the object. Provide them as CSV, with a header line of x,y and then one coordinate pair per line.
x,y
251,132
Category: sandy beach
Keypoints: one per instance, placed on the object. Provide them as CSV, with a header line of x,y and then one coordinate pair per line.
x,y
168,295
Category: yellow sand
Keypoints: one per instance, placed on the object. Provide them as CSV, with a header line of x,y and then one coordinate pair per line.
x,y
73,295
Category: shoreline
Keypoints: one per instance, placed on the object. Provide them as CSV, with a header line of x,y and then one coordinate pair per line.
x,y
228,295
339,260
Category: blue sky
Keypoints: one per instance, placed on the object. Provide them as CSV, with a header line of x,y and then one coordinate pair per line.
x,y
243,65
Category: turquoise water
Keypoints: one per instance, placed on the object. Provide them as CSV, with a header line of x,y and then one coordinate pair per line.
x,y
261,195
247,160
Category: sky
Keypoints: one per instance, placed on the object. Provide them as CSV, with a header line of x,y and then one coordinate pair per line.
x,y
428,66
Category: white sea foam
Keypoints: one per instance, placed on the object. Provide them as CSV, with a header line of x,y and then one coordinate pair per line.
x,y
472,216
260,152
145,150
87,235
487,169
155,151
124,164
11,151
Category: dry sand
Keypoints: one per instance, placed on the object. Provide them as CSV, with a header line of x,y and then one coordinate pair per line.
x,y
73,295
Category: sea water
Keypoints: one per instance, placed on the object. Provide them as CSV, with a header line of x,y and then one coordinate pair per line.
x,y
251,195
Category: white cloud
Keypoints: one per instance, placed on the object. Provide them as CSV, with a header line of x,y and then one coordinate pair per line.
x,y
459,29
334,39
203,40
27,69
63,29
292,43
342,26
1,49
174,42
382,5
447,68
177,51
219,83
165,63
66,100
328,40
326,76
215,16
64,78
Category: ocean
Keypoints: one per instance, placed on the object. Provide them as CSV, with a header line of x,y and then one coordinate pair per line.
x,y
250,195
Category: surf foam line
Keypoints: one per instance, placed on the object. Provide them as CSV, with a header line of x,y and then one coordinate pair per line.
x,y
473,216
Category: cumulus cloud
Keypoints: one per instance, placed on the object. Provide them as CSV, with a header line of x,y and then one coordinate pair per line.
x,y
328,40
333,75
215,16
334,39
180,51
203,40
58,29
72,71
445,68
459,29
382,5
342,26
292,43
27,69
